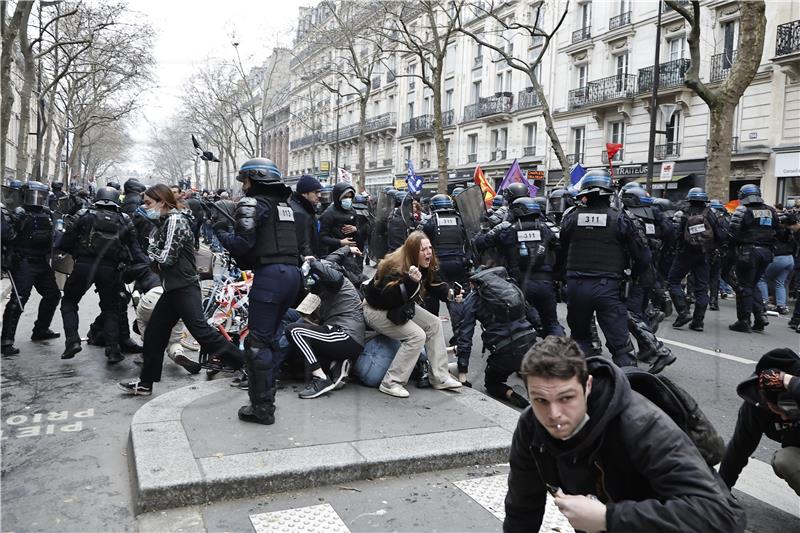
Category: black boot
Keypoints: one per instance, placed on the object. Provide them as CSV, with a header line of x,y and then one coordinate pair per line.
x,y
95,338
262,399
597,346
44,335
420,374
682,307
644,338
130,346
113,355
7,347
73,347
759,319
697,318
741,326
713,302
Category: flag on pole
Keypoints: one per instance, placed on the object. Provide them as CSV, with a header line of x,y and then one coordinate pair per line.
x,y
576,172
413,181
514,175
344,175
483,183
611,150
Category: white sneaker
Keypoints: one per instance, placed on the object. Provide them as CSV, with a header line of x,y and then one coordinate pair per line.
x,y
395,389
453,369
449,383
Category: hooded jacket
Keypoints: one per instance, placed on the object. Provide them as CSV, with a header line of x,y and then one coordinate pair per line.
x,y
340,305
334,218
755,418
630,455
306,222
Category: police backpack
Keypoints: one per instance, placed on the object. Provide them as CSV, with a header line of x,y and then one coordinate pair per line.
x,y
103,239
698,231
499,294
681,408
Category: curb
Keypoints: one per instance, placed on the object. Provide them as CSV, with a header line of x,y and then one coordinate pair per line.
x,y
167,475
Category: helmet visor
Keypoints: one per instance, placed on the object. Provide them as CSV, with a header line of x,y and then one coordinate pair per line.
x,y
35,197
556,205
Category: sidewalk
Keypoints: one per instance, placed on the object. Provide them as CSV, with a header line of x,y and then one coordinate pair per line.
x,y
188,447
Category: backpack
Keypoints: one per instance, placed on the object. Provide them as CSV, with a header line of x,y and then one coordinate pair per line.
x,y
499,294
698,232
103,239
681,408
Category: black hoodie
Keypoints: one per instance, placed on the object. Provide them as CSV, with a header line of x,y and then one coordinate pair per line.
x,y
755,418
630,455
335,217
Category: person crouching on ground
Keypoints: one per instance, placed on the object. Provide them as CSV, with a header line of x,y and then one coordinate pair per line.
x,y
393,298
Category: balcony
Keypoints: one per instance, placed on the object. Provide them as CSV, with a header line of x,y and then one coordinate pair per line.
x,y
376,82
497,155
583,34
670,74
787,40
527,99
599,92
617,157
308,140
721,65
667,151
529,151
472,158
619,21
422,126
387,162
477,62
372,164
376,123
491,107
574,158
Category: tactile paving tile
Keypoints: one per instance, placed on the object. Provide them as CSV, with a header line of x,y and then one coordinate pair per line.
x,y
313,519
490,493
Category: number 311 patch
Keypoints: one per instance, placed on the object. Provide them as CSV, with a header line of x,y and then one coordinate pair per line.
x,y
593,220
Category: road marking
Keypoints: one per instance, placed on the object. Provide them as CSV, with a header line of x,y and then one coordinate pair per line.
x,y
313,519
758,480
490,493
721,355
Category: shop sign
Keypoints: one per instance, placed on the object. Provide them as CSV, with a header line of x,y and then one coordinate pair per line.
x,y
666,171
636,170
535,175
787,165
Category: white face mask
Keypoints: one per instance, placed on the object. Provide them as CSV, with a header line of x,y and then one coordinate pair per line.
x,y
347,203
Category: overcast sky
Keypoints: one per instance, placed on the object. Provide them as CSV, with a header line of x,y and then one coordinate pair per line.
x,y
191,31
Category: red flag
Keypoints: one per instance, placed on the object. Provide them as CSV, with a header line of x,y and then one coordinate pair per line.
x,y
483,183
611,151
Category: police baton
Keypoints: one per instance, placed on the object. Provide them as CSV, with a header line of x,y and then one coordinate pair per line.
x,y
14,288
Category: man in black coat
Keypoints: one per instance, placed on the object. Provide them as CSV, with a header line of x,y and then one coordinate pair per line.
x,y
613,461
304,202
337,224
771,407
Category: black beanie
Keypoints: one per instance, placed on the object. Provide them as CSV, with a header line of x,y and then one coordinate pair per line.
x,y
782,359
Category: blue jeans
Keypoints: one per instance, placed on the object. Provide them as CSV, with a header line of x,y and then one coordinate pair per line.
x,y
777,272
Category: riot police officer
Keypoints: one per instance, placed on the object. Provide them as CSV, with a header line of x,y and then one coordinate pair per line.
x,y
530,248
558,201
28,251
398,224
698,233
133,196
601,243
58,198
264,240
717,257
511,193
364,223
753,229
102,241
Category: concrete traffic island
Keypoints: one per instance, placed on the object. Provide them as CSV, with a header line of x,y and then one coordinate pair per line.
x,y
189,448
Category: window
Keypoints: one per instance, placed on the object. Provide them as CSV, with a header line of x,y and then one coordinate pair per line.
x,y
582,76
499,82
624,6
447,148
673,128
476,91
448,99
472,147
494,142
617,135
530,136
410,110
730,36
478,51
450,59
585,14
676,48
507,83
407,152
577,143
374,151
622,65
426,105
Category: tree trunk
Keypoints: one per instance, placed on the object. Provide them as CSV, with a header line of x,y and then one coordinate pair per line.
x,y
20,18
59,147
361,178
550,127
438,128
28,79
718,167
73,161
48,139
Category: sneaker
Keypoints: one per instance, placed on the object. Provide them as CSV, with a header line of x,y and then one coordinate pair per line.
x,y
9,349
394,389
71,349
136,387
193,367
316,387
782,310
662,362
340,370
448,384
44,335
696,326
238,376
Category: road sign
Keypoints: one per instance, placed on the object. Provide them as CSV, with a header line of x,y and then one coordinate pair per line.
x,y
666,171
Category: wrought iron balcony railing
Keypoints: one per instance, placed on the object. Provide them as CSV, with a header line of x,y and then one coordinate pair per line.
x,y
619,21
387,162
612,88
485,107
376,82
308,140
372,164
721,65
667,151
527,99
578,97
472,158
582,34
390,77
670,74
376,123
497,155
424,123
787,40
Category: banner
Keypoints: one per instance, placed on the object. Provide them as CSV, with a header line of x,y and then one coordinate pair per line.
x,y
576,173
481,181
514,175
611,150
344,175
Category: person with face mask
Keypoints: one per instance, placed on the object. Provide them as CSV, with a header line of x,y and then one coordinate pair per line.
x,y
337,224
304,201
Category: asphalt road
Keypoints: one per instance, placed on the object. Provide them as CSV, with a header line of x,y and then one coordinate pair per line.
x,y
65,430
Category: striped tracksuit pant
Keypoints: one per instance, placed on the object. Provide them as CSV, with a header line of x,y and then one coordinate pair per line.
x,y
320,345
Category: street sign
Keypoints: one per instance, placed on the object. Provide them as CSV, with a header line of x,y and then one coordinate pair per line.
x,y
666,171
324,166
535,175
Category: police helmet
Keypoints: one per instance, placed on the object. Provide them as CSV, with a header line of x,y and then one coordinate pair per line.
x,y
134,186
441,202
697,194
325,194
596,181
399,196
113,183
514,191
57,186
632,185
636,197
457,191
360,199
559,200
259,170
36,193
750,194
664,204
716,204
498,201
15,184
526,206
106,197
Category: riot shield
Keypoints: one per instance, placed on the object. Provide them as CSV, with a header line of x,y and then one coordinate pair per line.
x,y
472,209
12,198
378,239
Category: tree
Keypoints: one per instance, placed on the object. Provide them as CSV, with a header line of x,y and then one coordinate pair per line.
x,y
500,39
424,29
10,30
723,99
168,150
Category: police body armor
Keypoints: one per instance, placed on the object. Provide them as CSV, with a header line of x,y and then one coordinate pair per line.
x,y
35,234
533,245
594,246
644,217
101,239
449,237
276,237
758,228
396,229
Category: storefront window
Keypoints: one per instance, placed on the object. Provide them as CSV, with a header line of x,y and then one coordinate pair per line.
x,y
791,191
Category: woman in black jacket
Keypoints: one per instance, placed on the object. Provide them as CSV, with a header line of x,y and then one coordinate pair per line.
x,y
393,308
171,253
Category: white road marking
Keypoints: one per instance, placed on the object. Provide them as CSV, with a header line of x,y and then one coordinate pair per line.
x,y
759,481
313,519
721,355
